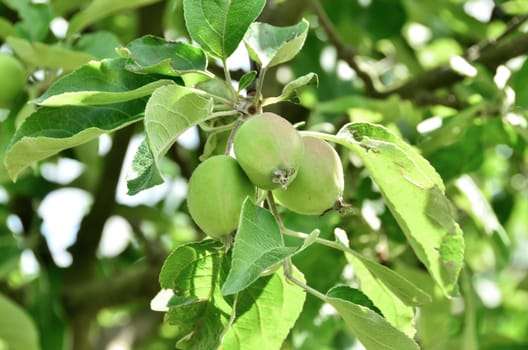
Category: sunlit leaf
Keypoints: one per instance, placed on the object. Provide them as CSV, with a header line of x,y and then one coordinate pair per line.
x,y
17,330
290,92
143,172
99,9
7,29
408,292
150,54
258,247
374,332
193,272
415,195
395,311
100,82
484,216
50,130
219,26
48,56
246,80
34,18
100,44
257,325
270,45
170,111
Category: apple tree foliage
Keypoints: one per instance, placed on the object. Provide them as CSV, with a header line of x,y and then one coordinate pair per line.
x,y
425,103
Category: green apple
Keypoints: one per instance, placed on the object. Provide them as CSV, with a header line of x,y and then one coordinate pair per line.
x,y
269,149
217,189
319,183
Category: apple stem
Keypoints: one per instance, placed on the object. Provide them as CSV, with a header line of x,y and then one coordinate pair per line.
x,y
230,139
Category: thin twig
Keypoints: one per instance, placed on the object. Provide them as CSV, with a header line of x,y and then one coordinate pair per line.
x,y
289,276
345,52
515,23
231,137
444,76
257,100
274,210
489,53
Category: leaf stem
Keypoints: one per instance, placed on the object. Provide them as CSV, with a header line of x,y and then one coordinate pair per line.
x,y
289,276
321,241
258,92
346,53
231,318
227,75
208,94
222,114
262,194
275,212
222,107
324,136
220,128
231,137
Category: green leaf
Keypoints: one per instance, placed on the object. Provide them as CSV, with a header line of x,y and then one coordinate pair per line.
x,y
143,173
355,296
372,330
170,111
258,247
270,45
290,92
99,9
217,87
9,252
34,18
515,7
246,80
219,26
181,260
50,130
395,311
7,29
193,272
150,54
479,208
414,193
100,45
99,83
47,56
408,292
266,312
7,130
17,330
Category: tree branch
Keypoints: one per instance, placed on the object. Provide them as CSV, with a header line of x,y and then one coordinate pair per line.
x,y
344,52
476,50
445,76
490,53
136,282
91,228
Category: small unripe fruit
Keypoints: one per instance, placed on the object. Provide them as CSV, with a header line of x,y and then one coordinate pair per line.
x,y
269,149
217,189
319,183
12,79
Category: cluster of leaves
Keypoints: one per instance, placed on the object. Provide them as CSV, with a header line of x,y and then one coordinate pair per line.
x,y
252,295
110,94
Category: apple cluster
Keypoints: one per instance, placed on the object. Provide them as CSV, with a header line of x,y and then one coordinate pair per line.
x,y
304,174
